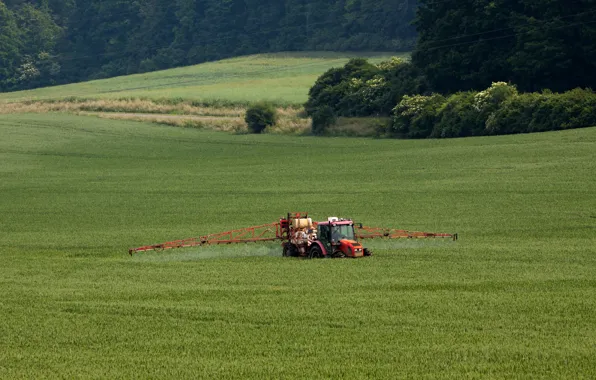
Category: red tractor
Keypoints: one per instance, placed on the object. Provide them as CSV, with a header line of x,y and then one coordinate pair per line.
x,y
332,238
301,237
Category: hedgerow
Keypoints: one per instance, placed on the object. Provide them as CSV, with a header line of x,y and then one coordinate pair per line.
x,y
399,89
495,111
538,112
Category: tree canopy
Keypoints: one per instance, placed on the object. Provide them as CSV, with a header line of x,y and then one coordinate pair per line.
x,y
535,44
462,45
71,40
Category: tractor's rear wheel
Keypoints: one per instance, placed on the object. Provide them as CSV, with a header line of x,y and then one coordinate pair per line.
x,y
289,250
315,252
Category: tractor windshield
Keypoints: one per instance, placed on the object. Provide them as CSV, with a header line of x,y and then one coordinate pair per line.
x,y
345,231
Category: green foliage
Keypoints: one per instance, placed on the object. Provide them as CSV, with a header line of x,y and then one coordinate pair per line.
x,y
9,47
459,117
534,44
496,110
416,116
28,38
363,89
339,88
93,39
38,30
537,112
465,113
260,116
490,100
322,118
402,78
513,298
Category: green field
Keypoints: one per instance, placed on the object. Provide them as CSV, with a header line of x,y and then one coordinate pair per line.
x,y
513,298
284,78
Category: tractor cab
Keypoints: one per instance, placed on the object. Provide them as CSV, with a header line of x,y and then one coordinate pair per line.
x,y
338,238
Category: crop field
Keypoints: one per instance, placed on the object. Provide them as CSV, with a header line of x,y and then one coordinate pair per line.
x,y
513,298
283,78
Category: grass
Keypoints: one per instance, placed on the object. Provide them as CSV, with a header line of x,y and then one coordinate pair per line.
x,y
181,114
358,126
185,114
513,298
284,78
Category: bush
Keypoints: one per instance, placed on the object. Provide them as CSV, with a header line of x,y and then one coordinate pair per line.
x,y
515,115
403,78
363,89
333,85
322,118
497,110
415,116
572,109
539,112
260,116
339,89
458,117
489,100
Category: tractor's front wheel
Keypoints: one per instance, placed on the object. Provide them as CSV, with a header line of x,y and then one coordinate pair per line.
x,y
338,254
315,252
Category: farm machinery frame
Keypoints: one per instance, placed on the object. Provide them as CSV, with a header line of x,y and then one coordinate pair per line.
x,y
301,237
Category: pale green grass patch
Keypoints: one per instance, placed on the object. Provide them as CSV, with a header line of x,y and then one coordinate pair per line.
x,y
284,78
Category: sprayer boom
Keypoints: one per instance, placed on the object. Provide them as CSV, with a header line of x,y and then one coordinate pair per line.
x,y
302,237
266,232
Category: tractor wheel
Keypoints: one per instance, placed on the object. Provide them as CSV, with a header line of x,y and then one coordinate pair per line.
x,y
315,252
338,254
288,250
367,252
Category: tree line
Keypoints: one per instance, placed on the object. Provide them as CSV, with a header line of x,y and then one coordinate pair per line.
x,y
45,42
469,51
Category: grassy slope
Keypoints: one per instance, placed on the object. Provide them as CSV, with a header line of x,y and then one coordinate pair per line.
x,y
515,297
284,78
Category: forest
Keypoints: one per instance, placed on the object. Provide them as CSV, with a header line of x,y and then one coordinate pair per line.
x,y
478,68
46,42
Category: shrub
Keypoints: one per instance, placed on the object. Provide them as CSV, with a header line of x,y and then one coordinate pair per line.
x,y
403,78
538,112
515,115
260,116
416,116
347,90
362,89
322,118
458,117
572,109
490,99
337,83
497,110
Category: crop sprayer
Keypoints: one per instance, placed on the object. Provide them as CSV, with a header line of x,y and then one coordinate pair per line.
x,y
301,237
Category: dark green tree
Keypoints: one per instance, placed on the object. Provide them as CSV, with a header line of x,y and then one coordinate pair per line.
x,y
260,116
555,45
37,30
9,47
534,44
87,39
